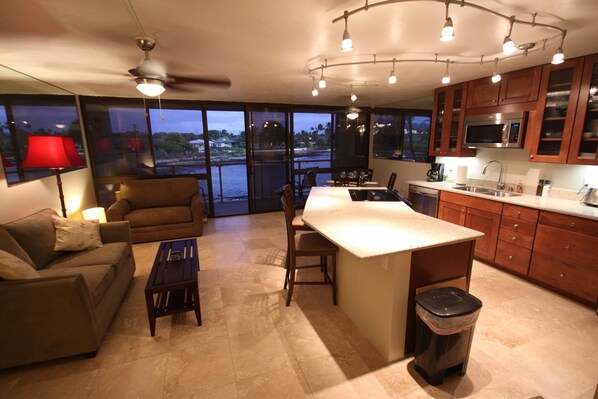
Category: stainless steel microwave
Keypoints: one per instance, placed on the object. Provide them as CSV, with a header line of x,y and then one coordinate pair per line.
x,y
495,130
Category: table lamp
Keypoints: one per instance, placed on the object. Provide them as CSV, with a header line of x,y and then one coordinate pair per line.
x,y
97,213
52,152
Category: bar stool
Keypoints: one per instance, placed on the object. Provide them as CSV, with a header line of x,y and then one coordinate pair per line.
x,y
307,244
298,225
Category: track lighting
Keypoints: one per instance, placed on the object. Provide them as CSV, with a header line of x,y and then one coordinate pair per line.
x,y
150,87
347,43
392,78
559,57
446,79
314,91
508,47
353,97
495,74
448,33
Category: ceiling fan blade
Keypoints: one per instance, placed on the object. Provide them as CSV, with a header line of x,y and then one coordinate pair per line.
x,y
183,89
135,72
223,81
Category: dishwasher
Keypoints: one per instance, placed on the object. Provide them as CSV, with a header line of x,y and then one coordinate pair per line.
x,y
424,200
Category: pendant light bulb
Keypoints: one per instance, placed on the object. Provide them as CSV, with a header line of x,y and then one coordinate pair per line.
x,y
446,79
392,78
347,43
508,47
448,32
314,91
322,83
558,57
353,97
495,75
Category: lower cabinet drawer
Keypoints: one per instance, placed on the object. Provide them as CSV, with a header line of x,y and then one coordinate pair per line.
x,y
512,256
575,280
514,237
571,247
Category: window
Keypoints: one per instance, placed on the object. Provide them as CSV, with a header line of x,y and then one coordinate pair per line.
x,y
312,145
402,135
22,116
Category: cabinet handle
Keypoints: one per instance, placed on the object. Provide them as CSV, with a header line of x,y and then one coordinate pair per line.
x,y
510,257
572,224
518,214
531,156
514,238
562,275
468,212
516,226
567,246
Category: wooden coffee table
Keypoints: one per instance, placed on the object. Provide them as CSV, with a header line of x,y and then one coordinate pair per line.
x,y
172,284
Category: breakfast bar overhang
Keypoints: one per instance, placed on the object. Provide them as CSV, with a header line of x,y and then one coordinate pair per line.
x,y
386,252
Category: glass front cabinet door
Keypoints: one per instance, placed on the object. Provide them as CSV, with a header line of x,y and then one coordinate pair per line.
x,y
559,91
584,141
447,122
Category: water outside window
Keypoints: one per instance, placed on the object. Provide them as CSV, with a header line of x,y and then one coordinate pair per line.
x,y
228,160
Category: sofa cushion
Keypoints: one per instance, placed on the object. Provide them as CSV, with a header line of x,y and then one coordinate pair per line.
x,y
36,235
10,245
159,216
98,277
156,193
13,268
114,254
76,235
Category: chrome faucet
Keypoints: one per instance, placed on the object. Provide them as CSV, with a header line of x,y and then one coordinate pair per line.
x,y
500,184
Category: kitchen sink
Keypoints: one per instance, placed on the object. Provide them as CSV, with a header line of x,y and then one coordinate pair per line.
x,y
486,191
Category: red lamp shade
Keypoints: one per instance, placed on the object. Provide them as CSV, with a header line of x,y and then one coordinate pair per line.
x,y
51,152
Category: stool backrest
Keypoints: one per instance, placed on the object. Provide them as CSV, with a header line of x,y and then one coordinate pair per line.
x,y
391,181
288,217
289,197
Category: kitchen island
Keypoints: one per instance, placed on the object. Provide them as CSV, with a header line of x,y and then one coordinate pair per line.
x,y
386,252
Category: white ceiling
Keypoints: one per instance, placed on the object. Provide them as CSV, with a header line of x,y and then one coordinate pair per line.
x,y
266,47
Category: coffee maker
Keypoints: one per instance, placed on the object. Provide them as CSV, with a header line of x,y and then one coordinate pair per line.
x,y
436,173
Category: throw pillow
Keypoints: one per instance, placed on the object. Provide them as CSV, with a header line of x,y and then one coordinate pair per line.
x,y
13,268
76,235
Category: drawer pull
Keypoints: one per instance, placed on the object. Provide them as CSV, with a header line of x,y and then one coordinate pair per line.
x,y
562,275
518,214
514,238
510,257
567,246
572,224
516,226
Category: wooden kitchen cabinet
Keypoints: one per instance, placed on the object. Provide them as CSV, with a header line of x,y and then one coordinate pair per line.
x,y
584,140
516,238
565,257
446,133
515,87
477,214
551,130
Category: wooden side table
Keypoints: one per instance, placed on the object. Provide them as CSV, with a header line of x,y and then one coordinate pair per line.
x,y
172,284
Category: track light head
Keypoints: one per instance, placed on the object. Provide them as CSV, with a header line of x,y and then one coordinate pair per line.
x,y
508,47
314,92
322,83
558,57
448,32
495,77
353,97
392,79
347,43
446,79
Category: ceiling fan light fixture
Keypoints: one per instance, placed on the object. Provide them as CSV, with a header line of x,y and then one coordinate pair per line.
x,y
150,87
352,114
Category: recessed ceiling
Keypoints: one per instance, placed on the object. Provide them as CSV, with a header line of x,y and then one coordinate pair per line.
x,y
266,47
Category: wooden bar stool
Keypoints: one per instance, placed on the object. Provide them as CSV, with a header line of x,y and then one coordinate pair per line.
x,y
298,225
307,244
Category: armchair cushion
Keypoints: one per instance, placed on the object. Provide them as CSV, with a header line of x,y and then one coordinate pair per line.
x,y
159,216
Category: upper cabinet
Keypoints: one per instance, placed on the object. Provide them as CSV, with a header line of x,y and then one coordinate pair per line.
x,y
552,127
584,141
447,122
515,87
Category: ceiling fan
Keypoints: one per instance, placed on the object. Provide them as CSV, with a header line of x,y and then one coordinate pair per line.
x,y
152,79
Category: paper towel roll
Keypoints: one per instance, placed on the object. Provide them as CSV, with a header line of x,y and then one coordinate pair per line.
x,y
461,175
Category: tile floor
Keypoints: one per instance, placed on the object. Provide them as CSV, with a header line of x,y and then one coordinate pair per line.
x,y
528,341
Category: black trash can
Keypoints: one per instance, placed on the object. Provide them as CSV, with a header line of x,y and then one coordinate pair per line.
x,y
445,323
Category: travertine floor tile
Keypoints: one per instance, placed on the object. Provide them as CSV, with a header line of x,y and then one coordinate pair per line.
x,y
284,383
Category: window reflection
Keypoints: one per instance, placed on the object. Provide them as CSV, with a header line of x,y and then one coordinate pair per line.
x,y
402,135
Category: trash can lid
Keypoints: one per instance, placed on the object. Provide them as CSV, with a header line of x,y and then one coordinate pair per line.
x,y
448,302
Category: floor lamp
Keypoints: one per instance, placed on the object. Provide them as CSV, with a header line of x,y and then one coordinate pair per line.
x,y
52,152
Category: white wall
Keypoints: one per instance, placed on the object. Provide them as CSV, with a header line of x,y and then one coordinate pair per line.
x,y
405,171
25,198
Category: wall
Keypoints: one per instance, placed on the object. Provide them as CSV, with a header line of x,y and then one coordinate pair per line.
x,y
405,171
25,198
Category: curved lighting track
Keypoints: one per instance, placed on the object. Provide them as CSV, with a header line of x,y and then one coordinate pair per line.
x,y
447,60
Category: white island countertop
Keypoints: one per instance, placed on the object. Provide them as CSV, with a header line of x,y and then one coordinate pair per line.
x,y
559,205
374,228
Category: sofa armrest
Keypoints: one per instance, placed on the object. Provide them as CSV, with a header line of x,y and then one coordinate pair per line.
x,y
46,318
118,210
197,207
115,232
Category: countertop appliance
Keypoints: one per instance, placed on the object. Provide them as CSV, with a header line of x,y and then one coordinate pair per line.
x,y
495,130
591,197
436,173
424,200
373,195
